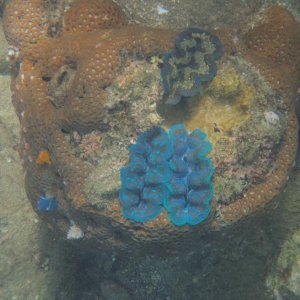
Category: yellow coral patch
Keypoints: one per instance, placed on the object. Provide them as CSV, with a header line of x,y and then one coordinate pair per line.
x,y
223,105
227,84
43,158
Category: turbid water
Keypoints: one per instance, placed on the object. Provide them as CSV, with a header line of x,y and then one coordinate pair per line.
x,y
261,262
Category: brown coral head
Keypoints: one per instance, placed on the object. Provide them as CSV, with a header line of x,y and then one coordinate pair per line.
x,y
273,45
92,15
277,37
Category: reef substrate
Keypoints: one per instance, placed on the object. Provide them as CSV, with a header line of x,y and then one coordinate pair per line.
x,y
86,84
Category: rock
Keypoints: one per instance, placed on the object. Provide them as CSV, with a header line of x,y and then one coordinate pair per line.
x,y
285,277
112,291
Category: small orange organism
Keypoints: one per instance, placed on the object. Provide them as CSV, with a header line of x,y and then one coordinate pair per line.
x,y
43,158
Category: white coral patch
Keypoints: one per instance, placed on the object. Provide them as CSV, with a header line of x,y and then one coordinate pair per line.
x,y
75,233
162,10
12,53
271,117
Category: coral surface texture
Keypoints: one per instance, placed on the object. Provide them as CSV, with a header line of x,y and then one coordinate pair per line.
x,y
98,143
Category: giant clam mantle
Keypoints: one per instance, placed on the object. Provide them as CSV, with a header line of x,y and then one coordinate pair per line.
x,y
190,64
169,170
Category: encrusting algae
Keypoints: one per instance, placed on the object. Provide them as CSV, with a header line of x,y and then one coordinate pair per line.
x,y
43,158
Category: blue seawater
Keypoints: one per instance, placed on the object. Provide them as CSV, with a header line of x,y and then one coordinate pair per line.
x,y
171,171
